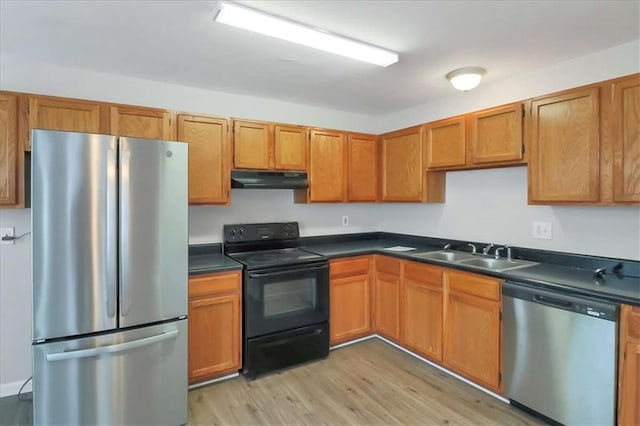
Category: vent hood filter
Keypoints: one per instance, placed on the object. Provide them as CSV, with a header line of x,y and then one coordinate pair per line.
x,y
269,180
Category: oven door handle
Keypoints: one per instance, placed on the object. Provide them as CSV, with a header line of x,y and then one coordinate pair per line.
x,y
287,272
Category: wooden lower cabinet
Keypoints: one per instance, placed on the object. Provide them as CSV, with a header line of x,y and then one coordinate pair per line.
x,y
422,300
215,314
387,297
350,306
472,328
629,367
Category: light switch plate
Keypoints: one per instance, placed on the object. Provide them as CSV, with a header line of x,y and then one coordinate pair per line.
x,y
9,232
542,230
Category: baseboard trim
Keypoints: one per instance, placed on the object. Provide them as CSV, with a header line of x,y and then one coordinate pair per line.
x,y
351,342
208,382
12,388
441,368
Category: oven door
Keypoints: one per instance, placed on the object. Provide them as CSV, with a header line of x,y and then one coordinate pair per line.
x,y
287,297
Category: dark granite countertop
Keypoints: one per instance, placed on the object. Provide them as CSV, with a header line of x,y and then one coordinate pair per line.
x,y
558,271
208,258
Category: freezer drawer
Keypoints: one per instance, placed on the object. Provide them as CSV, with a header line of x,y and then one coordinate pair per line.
x,y
130,377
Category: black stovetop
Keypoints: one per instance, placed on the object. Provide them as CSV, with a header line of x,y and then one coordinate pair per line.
x,y
278,257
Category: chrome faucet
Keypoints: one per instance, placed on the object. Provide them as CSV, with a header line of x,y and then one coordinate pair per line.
x,y
497,252
485,250
508,252
447,246
473,248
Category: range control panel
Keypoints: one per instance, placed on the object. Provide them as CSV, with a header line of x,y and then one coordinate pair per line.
x,y
261,231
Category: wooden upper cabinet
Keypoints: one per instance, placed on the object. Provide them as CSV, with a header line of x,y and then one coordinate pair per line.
x,y
629,366
70,115
422,307
208,139
251,145
362,153
446,143
496,134
9,149
626,140
564,165
401,164
327,166
472,334
290,147
136,122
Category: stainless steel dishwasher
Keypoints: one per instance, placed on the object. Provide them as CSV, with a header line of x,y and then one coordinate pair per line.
x,y
559,354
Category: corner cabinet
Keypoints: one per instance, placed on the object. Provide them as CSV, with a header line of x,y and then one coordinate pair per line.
x,y
472,327
10,151
387,287
403,174
629,366
422,309
215,312
350,305
208,139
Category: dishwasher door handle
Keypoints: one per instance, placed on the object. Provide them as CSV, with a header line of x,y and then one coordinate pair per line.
x,y
550,301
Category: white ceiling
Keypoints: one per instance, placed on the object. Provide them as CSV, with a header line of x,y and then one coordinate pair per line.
x,y
178,42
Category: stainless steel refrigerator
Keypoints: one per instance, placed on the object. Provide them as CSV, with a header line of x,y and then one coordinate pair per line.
x,y
110,243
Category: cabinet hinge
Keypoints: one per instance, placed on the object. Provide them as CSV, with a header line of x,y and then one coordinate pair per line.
x,y
524,112
500,377
523,148
500,315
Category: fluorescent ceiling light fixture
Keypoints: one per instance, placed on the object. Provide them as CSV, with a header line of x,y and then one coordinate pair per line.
x,y
253,20
467,78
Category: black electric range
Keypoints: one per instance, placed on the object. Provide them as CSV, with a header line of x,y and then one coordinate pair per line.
x,y
285,295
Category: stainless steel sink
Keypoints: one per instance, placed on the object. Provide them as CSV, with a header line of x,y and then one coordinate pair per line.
x,y
497,264
449,256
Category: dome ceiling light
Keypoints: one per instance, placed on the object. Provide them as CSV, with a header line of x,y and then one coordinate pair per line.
x,y
466,78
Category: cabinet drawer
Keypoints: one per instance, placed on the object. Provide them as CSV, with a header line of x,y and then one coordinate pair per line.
x,y
421,273
475,285
215,283
389,265
349,267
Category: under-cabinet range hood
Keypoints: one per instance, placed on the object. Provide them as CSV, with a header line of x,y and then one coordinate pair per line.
x,y
269,180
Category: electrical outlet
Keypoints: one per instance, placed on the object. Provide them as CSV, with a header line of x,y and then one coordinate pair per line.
x,y
542,230
8,232
345,221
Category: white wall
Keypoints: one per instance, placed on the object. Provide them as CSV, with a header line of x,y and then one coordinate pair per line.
x,y
481,205
491,206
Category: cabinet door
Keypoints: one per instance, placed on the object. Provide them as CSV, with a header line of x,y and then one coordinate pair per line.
x,y
401,166
564,165
629,366
496,134
446,143
68,115
350,309
626,140
362,175
387,305
290,147
327,166
472,338
422,305
214,336
251,145
208,158
148,123
9,149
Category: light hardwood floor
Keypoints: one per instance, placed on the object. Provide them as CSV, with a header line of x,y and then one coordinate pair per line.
x,y
368,383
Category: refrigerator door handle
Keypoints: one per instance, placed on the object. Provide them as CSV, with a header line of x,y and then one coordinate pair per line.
x,y
111,349
125,232
112,231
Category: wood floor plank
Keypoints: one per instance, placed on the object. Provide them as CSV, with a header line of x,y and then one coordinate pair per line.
x,y
369,383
